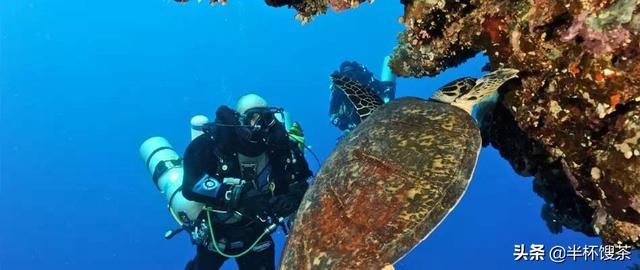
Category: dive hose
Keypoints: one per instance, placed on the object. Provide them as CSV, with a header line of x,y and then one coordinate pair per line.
x,y
267,230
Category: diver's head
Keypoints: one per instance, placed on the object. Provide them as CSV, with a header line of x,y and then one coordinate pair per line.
x,y
258,123
252,110
250,101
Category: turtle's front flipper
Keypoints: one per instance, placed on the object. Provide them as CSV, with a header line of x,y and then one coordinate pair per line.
x,y
484,87
362,98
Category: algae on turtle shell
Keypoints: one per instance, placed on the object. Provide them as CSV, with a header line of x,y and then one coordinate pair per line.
x,y
409,162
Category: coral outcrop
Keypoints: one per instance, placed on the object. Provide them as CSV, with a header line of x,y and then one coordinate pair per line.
x,y
573,121
306,9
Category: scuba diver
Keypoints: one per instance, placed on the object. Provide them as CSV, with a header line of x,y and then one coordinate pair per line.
x,y
342,113
249,174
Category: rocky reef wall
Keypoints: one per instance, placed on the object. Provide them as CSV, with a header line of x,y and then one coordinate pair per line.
x,y
573,121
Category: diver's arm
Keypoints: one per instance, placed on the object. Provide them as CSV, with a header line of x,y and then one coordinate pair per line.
x,y
298,185
287,202
196,159
198,184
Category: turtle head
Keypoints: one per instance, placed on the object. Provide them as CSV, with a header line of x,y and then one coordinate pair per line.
x,y
466,92
453,90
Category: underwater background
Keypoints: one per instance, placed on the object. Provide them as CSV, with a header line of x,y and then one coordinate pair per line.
x,y
84,83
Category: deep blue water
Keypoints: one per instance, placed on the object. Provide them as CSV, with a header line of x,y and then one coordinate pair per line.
x,y
83,83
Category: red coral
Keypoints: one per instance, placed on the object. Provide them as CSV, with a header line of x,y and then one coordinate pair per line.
x,y
615,99
495,27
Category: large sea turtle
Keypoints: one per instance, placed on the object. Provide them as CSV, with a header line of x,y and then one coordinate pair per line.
x,y
392,180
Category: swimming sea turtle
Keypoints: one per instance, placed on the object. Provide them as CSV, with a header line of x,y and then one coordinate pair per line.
x,y
392,180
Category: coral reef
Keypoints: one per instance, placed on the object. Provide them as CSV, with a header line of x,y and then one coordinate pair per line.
x,y
574,119
306,9
562,205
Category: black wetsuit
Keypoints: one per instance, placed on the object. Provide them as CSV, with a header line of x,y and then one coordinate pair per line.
x,y
217,156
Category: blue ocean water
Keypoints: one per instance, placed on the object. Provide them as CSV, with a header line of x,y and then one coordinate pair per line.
x,y
83,83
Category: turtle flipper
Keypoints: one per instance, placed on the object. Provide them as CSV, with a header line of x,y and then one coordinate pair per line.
x,y
449,92
362,98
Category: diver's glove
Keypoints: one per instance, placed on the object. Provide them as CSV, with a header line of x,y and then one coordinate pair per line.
x,y
229,121
284,205
253,203
224,127
226,115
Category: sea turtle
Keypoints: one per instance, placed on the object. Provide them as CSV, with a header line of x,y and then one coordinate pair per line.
x,y
392,180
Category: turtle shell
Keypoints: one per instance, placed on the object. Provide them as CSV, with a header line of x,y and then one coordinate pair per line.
x,y
385,187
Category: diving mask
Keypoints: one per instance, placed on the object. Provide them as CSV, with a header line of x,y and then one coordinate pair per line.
x,y
260,118
257,122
